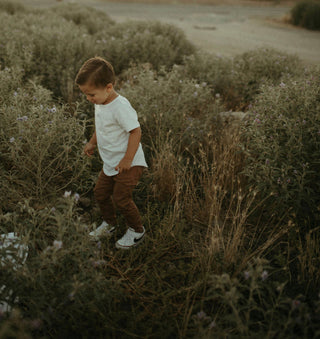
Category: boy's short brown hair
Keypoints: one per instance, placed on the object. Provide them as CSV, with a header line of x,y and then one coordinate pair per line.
x,y
97,72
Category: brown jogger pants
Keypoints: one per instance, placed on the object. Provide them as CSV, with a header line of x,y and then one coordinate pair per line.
x,y
116,192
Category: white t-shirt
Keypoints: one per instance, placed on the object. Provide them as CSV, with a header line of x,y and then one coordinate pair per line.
x,y
113,123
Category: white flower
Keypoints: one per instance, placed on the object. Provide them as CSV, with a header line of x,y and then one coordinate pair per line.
x,y
76,196
67,194
12,139
57,244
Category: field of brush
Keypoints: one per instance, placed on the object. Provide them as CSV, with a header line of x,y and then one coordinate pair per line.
x,y
230,202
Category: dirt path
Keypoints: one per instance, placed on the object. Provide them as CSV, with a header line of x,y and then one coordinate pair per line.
x,y
222,29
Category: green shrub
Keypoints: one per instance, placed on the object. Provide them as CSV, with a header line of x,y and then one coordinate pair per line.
x,y
90,18
238,80
168,104
41,143
143,42
46,46
214,71
49,46
252,69
12,7
306,14
283,144
246,305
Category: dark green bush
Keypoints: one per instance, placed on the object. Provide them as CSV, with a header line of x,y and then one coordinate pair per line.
x,y
306,14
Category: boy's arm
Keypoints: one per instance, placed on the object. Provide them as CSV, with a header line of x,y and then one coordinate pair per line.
x,y
91,145
133,144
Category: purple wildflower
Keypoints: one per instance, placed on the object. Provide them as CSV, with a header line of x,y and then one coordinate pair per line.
x,y
201,315
246,275
264,275
212,325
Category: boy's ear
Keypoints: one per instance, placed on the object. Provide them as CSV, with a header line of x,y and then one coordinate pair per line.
x,y
109,87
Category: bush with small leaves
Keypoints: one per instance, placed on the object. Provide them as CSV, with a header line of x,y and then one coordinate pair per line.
x,y
283,143
93,20
41,143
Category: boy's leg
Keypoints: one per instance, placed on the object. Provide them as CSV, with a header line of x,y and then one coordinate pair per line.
x,y
125,182
102,193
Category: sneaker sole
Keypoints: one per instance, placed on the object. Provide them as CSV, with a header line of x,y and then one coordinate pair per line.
x,y
137,242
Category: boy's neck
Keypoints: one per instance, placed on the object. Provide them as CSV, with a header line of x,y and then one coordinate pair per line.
x,y
113,95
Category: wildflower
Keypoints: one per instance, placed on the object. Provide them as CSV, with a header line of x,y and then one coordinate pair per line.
x,y
76,197
15,93
50,122
98,263
67,194
53,209
196,85
212,325
264,275
201,315
204,84
12,139
218,95
195,94
46,130
57,244
282,84
267,161
53,109
246,275
99,245
258,121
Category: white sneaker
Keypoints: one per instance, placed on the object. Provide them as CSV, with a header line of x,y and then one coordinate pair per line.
x,y
104,230
130,239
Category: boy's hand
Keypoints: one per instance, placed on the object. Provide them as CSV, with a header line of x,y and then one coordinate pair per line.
x,y
124,165
89,149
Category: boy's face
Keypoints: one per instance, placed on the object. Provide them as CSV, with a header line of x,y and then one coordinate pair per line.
x,y
98,96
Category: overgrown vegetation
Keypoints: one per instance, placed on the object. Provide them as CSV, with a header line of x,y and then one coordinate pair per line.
x,y
231,208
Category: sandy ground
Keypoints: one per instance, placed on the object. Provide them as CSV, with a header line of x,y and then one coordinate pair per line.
x,y
221,29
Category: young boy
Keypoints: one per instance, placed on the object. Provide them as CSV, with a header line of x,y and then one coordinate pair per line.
x,y
117,134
